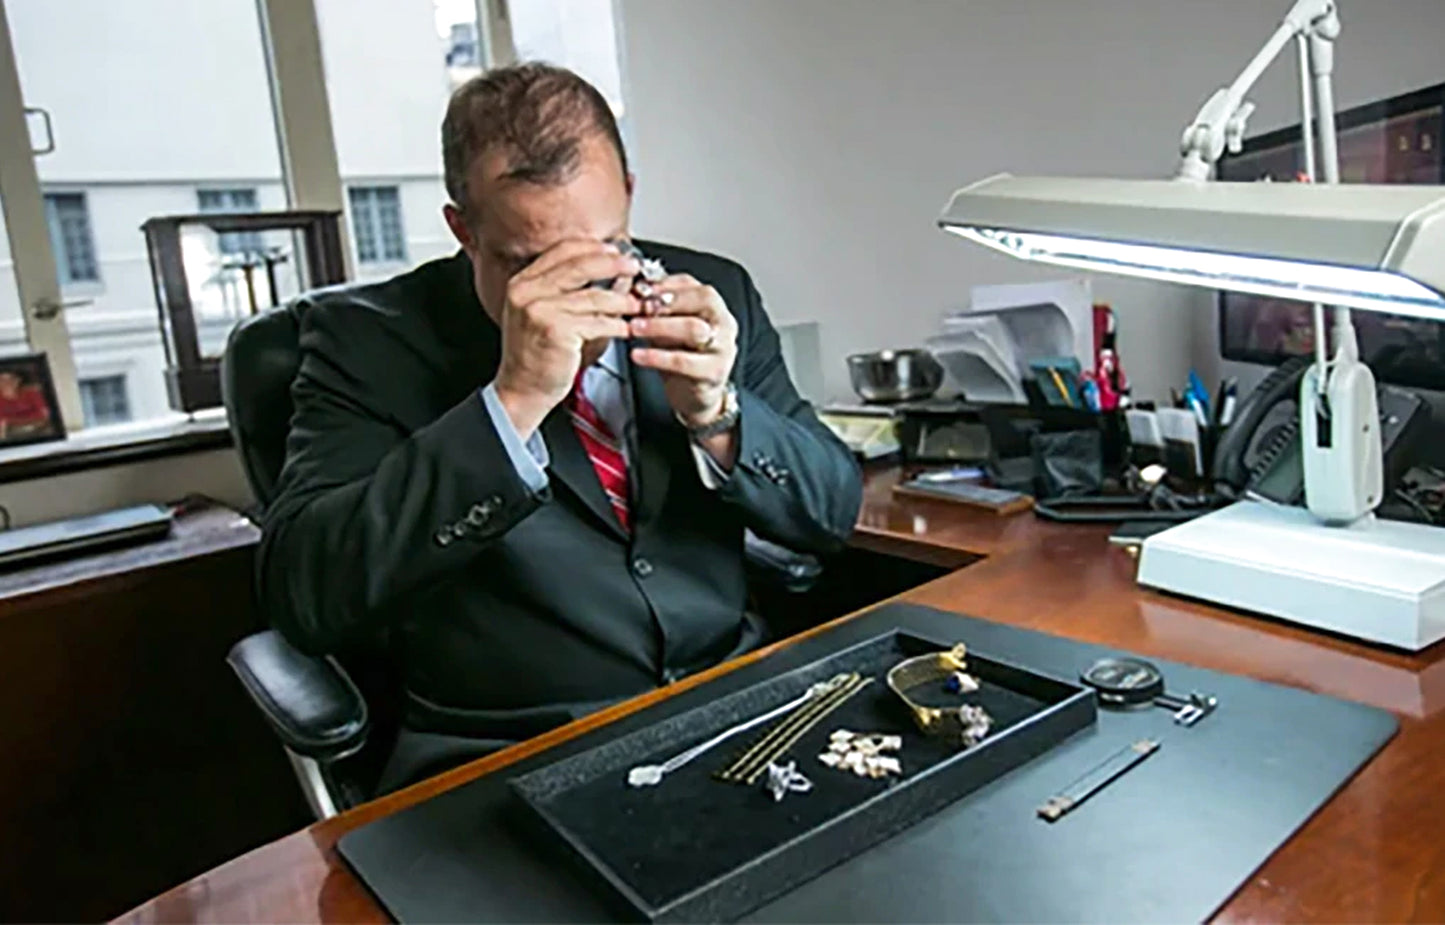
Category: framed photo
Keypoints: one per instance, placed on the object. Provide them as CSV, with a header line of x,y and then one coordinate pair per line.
x,y
29,411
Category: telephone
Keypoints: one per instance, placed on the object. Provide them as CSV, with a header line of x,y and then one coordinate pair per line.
x,y
1258,455
1260,452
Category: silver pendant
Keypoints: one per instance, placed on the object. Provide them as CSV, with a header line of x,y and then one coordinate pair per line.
x,y
785,779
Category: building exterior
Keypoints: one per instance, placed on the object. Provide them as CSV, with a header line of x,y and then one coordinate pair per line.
x,y
162,107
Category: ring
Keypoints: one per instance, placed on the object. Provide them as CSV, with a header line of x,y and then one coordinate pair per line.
x,y
706,345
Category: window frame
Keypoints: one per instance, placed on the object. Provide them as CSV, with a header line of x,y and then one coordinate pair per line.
x,y
69,285
227,242
371,205
87,400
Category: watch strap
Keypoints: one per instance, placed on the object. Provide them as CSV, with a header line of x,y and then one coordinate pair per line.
x,y
724,422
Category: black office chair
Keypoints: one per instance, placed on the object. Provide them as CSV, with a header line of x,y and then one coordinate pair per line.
x,y
337,716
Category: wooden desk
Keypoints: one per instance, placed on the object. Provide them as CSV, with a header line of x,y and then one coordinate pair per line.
x,y
1376,852
119,721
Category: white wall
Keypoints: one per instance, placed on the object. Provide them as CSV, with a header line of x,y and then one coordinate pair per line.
x,y
817,140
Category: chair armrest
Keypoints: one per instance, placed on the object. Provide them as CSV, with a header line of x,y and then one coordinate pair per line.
x,y
310,702
794,571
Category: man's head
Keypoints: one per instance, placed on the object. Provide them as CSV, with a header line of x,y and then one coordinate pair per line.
x,y
9,383
532,156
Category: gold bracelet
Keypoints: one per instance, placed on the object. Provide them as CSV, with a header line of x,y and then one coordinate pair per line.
x,y
964,724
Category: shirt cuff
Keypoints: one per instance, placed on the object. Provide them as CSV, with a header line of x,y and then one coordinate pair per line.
x,y
713,476
530,457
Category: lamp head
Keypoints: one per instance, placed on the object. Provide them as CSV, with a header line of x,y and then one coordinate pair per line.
x,y
1375,248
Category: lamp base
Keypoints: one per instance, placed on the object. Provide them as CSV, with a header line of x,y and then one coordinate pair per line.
x,y
1378,580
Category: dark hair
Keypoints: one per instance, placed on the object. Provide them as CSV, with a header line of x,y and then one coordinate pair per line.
x,y
537,114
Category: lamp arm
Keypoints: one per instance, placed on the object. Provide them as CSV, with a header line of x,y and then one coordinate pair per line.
x,y
1220,123
1321,36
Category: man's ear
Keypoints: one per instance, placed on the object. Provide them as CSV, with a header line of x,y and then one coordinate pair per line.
x,y
458,224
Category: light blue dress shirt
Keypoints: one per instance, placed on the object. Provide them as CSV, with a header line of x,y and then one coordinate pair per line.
x,y
603,385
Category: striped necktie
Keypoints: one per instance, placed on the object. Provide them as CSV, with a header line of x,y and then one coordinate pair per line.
x,y
602,449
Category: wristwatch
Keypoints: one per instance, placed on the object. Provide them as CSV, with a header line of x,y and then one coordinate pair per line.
x,y
724,422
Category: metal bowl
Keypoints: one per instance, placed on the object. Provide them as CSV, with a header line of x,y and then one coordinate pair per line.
x,y
894,375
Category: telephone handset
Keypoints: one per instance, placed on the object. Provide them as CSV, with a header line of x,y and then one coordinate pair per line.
x,y
1260,452
1261,446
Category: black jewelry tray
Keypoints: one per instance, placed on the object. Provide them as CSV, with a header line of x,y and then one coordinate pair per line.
x,y
694,848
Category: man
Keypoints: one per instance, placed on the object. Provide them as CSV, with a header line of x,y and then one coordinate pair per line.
x,y
527,469
23,409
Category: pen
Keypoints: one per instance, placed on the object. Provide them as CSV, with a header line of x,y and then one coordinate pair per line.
x,y
1197,407
1231,396
1063,390
1201,394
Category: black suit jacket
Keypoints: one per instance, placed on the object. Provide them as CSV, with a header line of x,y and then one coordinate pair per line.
x,y
508,612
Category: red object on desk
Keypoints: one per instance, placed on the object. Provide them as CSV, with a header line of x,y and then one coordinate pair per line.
x,y
1108,371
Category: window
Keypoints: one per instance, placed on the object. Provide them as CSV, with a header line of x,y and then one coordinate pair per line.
x,y
232,200
70,236
577,34
389,68
203,67
198,133
376,223
105,400
11,317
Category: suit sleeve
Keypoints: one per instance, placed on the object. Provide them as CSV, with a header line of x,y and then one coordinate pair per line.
x,y
366,511
797,483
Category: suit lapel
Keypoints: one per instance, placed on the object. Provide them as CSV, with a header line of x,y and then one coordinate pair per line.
x,y
654,438
573,468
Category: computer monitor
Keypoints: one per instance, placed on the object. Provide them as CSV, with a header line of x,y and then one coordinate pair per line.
x,y
1398,140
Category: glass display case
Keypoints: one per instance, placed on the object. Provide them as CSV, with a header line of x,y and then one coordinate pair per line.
x,y
212,270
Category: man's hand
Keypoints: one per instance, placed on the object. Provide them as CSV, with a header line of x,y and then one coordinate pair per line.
x,y
549,319
692,341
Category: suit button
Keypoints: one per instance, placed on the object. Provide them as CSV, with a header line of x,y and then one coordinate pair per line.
x,y
641,567
479,514
443,537
671,676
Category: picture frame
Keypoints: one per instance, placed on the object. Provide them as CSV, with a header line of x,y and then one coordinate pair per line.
x,y
29,410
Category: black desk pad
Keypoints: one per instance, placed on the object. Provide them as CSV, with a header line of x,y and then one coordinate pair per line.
x,y
1169,841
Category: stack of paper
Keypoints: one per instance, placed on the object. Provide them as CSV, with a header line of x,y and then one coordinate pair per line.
x,y
979,354
987,349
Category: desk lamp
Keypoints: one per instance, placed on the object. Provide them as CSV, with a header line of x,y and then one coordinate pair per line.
x,y
1363,247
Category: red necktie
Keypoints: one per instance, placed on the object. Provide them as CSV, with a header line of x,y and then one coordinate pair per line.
x,y
602,448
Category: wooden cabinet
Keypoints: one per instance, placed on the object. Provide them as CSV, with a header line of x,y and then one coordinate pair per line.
x,y
131,758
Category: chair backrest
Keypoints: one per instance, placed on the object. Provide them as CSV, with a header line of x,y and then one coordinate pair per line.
x,y
260,363
261,360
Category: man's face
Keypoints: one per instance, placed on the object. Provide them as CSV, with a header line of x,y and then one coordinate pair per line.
x,y
9,384
509,223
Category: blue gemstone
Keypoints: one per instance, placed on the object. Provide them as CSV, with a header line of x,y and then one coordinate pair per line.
x,y
952,685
